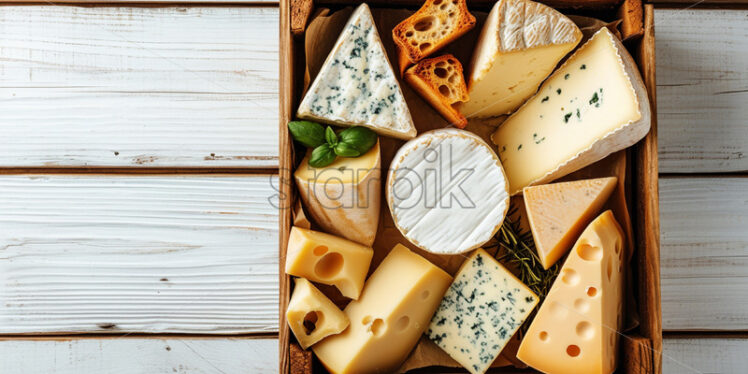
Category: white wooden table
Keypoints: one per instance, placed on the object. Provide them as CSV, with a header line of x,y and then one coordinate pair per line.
x,y
189,247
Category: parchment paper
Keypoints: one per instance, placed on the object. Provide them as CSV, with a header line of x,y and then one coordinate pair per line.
x,y
320,37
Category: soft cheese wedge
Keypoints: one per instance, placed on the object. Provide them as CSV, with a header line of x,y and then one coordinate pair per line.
x,y
447,191
344,197
577,328
482,309
593,105
357,86
519,46
559,212
386,322
327,259
312,316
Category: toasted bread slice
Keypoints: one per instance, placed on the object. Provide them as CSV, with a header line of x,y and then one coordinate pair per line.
x,y
435,25
439,80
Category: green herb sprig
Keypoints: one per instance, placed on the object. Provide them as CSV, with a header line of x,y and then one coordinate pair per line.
x,y
328,145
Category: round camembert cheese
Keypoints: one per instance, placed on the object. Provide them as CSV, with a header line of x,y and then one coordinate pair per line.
x,y
447,191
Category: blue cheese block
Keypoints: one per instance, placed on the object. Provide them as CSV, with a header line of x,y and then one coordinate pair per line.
x,y
356,85
482,309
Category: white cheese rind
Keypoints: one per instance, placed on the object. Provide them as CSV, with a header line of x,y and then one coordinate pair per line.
x,y
447,191
357,86
481,310
548,138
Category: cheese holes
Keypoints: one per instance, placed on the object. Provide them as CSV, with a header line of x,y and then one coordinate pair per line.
x,y
591,291
558,310
609,269
570,277
329,265
402,323
589,253
543,336
573,350
581,305
320,250
425,294
311,320
377,327
585,330
366,320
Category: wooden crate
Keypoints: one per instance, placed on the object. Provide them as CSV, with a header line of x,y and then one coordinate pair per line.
x,y
641,348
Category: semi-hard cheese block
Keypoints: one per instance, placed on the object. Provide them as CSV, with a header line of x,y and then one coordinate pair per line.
x,y
576,330
593,105
386,322
519,46
447,191
558,213
482,309
344,197
327,259
357,86
312,316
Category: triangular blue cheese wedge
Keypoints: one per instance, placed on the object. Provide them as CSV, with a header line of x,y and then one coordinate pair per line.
x,y
481,311
357,86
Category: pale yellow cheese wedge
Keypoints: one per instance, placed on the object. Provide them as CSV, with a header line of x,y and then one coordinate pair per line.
x,y
312,316
386,322
577,328
343,198
327,259
559,212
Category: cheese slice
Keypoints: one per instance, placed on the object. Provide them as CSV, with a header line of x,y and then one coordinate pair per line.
x,y
344,197
559,212
481,311
576,330
519,46
357,86
386,322
447,191
593,105
327,259
312,316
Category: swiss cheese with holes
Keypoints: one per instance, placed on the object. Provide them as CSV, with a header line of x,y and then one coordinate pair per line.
x,y
577,328
387,321
327,259
312,316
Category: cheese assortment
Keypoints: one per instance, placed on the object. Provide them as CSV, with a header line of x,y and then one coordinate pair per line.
x,y
456,265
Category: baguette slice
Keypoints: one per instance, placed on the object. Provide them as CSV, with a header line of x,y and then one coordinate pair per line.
x,y
435,25
439,80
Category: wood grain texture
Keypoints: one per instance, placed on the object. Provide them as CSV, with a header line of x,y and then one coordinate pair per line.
x,y
702,84
723,355
182,254
138,86
704,253
139,355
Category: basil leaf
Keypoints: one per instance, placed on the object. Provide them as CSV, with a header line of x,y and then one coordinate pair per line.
x,y
346,150
310,134
359,137
330,136
322,156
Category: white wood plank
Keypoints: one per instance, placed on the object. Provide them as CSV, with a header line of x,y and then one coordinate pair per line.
x,y
139,355
192,254
134,86
704,253
685,355
702,89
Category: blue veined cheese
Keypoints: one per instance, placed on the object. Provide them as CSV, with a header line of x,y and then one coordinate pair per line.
x,y
481,311
357,86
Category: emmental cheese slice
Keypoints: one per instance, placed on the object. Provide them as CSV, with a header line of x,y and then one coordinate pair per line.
x,y
357,86
481,311
519,46
559,212
593,105
327,259
312,316
576,330
386,322
447,191
344,197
